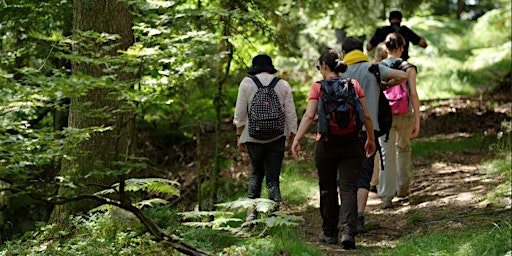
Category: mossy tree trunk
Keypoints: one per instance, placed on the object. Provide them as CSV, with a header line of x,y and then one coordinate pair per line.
x,y
101,149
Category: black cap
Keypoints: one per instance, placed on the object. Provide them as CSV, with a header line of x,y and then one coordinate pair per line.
x,y
261,63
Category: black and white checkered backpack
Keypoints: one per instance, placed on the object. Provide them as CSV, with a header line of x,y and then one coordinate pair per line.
x,y
266,115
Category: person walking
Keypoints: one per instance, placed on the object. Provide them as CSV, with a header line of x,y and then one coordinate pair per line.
x,y
339,154
395,19
265,153
358,68
381,52
396,152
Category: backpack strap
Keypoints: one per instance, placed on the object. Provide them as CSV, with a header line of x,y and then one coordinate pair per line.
x,y
404,65
256,81
274,82
259,84
374,69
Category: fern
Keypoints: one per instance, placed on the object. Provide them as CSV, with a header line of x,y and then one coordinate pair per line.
x,y
103,208
279,220
150,202
222,220
156,185
260,204
214,224
204,215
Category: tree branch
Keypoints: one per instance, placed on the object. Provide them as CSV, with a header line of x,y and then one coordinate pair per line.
x,y
152,227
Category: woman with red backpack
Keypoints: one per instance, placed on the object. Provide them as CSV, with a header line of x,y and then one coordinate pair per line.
x,y
340,152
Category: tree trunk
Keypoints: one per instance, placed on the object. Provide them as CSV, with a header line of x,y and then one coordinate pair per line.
x,y
461,5
102,148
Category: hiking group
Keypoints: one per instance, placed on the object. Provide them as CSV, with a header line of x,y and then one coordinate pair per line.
x,y
363,109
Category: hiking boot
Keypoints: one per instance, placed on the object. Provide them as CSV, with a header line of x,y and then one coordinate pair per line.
x,y
323,238
386,202
402,192
348,242
251,214
360,225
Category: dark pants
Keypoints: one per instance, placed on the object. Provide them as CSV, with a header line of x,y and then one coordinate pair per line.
x,y
368,164
341,157
266,160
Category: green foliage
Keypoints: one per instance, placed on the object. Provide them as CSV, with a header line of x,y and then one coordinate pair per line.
x,y
477,239
96,234
438,144
150,185
296,187
224,220
414,217
178,59
463,59
501,170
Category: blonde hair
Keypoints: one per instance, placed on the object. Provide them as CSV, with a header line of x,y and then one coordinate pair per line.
x,y
381,52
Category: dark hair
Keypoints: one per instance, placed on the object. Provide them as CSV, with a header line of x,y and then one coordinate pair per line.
x,y
352,43
395,15
394,41
331,58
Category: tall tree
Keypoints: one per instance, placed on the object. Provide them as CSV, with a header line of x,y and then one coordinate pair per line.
x,y
102,148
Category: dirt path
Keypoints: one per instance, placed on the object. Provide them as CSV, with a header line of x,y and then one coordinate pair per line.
x,y
443,195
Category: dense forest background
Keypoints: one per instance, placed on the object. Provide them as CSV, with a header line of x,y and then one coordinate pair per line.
x,y
125,104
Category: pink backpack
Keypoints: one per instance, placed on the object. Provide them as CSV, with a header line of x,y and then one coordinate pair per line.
x,y
398,95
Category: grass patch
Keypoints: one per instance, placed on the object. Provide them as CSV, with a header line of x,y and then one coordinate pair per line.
x,y
280,241
437,144
500,168
296,185
479,239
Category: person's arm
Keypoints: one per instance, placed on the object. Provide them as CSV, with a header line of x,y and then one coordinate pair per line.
x,y
306,121
241,113
379,36
423,43
368,124
413,94
290,114
412,37
392,76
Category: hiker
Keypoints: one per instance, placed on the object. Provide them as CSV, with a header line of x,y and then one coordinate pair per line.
x,y
395,18
381,52
396,152
265,147
339,153
359,69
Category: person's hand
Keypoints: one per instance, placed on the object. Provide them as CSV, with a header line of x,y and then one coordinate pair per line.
x,y
415,131
290,142
369,148
295,149
242,147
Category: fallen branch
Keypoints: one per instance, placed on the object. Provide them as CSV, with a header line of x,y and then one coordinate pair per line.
x,y
154,229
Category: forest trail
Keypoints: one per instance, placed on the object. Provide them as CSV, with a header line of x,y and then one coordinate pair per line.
x,y
444,193
448,187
